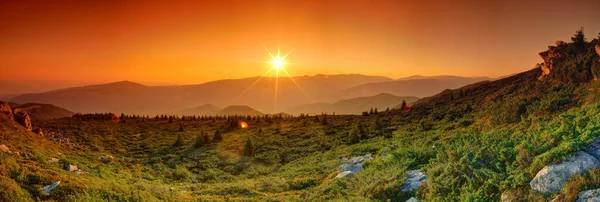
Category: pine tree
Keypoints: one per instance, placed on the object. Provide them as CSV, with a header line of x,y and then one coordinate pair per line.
x,y
354,136
206,138
180,127
324,119
200,140
217,136
579,37
179,142
403,106
249,148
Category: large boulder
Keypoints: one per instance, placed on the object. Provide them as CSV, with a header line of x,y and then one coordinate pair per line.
x,y
23,118
414,179
553,177
5,109
589,196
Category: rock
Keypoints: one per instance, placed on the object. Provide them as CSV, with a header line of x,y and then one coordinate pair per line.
x,y
589,196
4,148
50,187
71,168
549,57
594,148
106,158
414,179
553,177
597,47
351,167
5,109
39,131
384,154
53,160
506,197
368,156
356,160
412,199
23,118
345,174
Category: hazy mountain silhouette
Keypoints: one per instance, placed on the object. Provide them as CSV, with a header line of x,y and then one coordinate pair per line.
x,y
202,110
419,86
238,110
129,97
354,106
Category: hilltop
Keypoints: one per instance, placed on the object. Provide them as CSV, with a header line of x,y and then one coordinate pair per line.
x,y
355,106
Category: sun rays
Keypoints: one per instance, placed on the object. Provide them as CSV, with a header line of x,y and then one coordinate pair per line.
x,y
278,63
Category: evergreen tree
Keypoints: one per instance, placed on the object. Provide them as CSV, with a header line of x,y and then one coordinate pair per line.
x,y
403,106
217,136
180,127
353,137
179,142
579,37
206,138
200,140
249,148
324,119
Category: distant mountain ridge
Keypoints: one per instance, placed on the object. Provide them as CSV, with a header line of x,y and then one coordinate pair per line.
x,y
418,86
355,105
130,97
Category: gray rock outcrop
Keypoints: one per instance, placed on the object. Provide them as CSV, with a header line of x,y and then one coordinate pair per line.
x,y
589,196
553,177
23,118
414,179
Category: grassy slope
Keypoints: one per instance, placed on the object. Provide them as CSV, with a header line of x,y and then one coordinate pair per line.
x,y
491,138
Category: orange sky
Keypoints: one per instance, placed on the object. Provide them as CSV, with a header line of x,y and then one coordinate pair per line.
x,y
163,42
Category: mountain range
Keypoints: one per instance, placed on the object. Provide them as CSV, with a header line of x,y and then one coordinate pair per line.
x,y
258,93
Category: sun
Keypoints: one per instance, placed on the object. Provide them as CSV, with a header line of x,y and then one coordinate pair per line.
x,y
278,62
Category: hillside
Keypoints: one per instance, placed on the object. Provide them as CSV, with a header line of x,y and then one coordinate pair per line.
x,y
353,106
44,111
490,141
129,97
417,86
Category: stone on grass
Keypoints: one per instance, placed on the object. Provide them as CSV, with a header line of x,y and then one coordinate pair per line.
x,y
4,148
589,196
345,174
553,177
412,199
351,167
414,179
50,187
71,168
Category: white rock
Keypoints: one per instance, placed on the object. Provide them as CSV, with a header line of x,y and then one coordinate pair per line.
x,y
553,177
414,179
345,174
412,199
50,187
